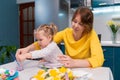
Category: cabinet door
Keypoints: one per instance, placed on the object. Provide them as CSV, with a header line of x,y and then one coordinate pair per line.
x,y
108,55
96,3
62,47
117,63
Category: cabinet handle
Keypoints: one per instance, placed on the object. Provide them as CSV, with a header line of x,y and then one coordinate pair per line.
x,y
104,50
104,60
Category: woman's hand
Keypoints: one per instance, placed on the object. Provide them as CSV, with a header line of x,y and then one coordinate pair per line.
x,y
72,63
66,60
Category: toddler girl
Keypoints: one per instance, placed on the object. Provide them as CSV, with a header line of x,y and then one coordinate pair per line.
x,y
49,49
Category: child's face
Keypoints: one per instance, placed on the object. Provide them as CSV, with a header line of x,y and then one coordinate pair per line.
x,y
42,39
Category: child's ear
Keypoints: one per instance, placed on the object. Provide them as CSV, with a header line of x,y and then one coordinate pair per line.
x,y
50,37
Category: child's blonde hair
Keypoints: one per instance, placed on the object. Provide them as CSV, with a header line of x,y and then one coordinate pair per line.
x,y
48,29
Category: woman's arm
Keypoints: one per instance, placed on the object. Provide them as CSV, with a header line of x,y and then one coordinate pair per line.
x,y
97,57
73,63
59,36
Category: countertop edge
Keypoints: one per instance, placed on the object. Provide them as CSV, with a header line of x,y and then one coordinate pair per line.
x,y
109,43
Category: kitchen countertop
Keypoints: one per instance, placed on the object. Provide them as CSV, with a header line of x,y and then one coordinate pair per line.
x,y
109,43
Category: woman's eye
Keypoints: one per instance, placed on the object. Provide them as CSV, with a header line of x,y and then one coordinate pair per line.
x,y
75,21
81,24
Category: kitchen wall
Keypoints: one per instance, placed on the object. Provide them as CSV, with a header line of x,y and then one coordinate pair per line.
x,y
9,30
46,13
55,12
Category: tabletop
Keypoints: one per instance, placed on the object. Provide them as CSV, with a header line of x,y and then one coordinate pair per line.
x,y
31,67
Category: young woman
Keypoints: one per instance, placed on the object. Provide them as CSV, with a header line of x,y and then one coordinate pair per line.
x,y
82,46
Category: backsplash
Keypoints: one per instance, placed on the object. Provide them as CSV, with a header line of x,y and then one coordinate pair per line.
x,y
101,17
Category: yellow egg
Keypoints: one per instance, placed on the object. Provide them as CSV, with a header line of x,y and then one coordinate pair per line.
x,y
70,74
63,69
53,72
36,76
39,77
40,72
56,78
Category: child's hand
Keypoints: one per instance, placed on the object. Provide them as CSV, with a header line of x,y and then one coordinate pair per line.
x,y
23,57
20,52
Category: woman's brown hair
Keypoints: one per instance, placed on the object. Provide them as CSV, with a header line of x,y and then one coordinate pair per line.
x,y
86,17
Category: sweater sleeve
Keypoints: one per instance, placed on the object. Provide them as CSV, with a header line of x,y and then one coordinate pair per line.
x,y
43,52
37,46
97,57
59,36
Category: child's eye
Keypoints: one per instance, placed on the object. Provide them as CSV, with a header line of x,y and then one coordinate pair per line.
x,y
39,39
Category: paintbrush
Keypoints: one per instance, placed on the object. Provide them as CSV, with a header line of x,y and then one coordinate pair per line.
x,y
19,67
